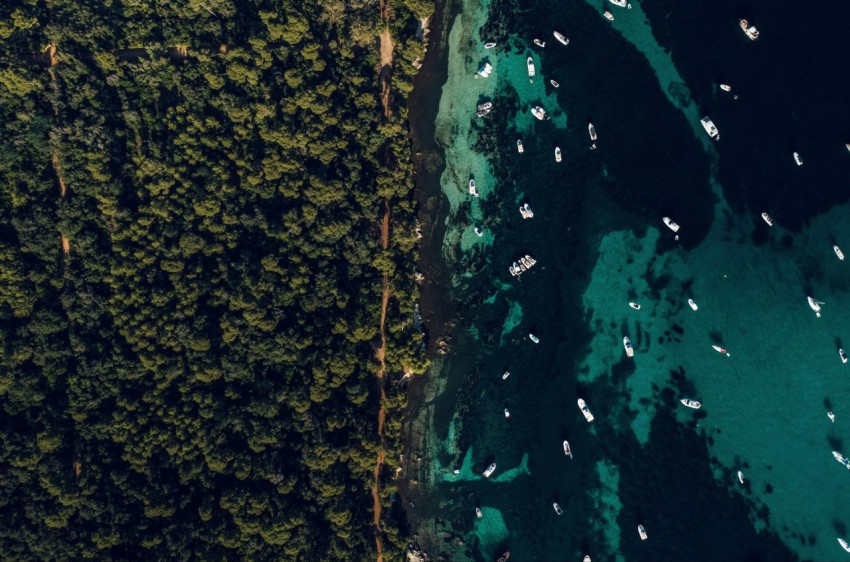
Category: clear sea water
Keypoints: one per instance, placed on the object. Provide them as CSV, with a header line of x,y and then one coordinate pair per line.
x,y
644,80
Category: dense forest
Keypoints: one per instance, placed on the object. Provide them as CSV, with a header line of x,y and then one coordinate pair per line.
x,y
192,277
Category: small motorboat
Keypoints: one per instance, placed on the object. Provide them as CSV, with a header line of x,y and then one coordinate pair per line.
x,y
561,38
842,459
642,533
504,557
485,71
490,470
585,410
533,338
797,159
507,414
693,305
634,305
608,15
838,252
530,63
567,450
719,349
519,146
740,477
691,403
478,231
539,112
767,219
526,212
815,305
540,43
847,146
749,30
554,84
591,130
670,224
472,190
489,45
586,558
831,416
505,375
844,544
558,509
478,513
842,355
627,344
726,87
557,154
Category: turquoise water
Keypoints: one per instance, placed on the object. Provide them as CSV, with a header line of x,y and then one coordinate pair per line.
x,y
600,243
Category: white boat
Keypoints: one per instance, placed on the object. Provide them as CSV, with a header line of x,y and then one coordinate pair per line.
x,y
567,450
691,403
670,224
489,45
538,112
490,470
585,410
831,416
847,146
844,544
526,211
586,558
709,127
620,3
533,338
719,349
815,305
557,154
505,375
842,355
540,43
642,533
634,305
750,30
478,231
558,509
561,38
472,190
519,147
485,70
842,459
740,477
797,159
554,84
693,305
726,87
608,15
507,414
591,131
627,344
484,106
478,512
838,252
767,219
530,63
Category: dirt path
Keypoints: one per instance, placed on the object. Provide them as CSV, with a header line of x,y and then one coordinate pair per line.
x,y
386,68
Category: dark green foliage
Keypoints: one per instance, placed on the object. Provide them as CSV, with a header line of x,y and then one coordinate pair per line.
x,y
195,380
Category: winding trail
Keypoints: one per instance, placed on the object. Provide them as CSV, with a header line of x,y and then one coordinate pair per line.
x,y
54,157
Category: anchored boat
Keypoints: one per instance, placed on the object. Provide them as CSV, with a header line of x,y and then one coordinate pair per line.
x,y
530,63
842,459
557,154
627,344
691,403
842,355
815,305
591,130
540,43
478,512
797,159
710,128
719,349
838,252
749,30
558,509
693,305
490,470
472,190
740,477
519,147
489,45
567,450
504,557
844,544
642,533
561,38
533,338
670,224
634,305
585,410
539,112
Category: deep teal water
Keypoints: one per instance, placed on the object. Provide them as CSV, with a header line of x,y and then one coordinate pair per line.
x,y
599,242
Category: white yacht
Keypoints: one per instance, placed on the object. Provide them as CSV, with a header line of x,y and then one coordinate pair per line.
x,y
842,355
591,131
838,252
519,147
533,338
561,38
540,43
797,159
586,558
620,3
709,127
485,70
478,512
485,106
693,305
726,87
608,15
585,410
489,45
478,232
767,219
554,84
634,305
567,450
844,544
530,63
719,349
842,459
691,403
558,509
670,224
750,30
642,533
538,112
831,416
526,211
507,414
627,344
557,154
472,190
740,477
490,470
815,305
505,375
